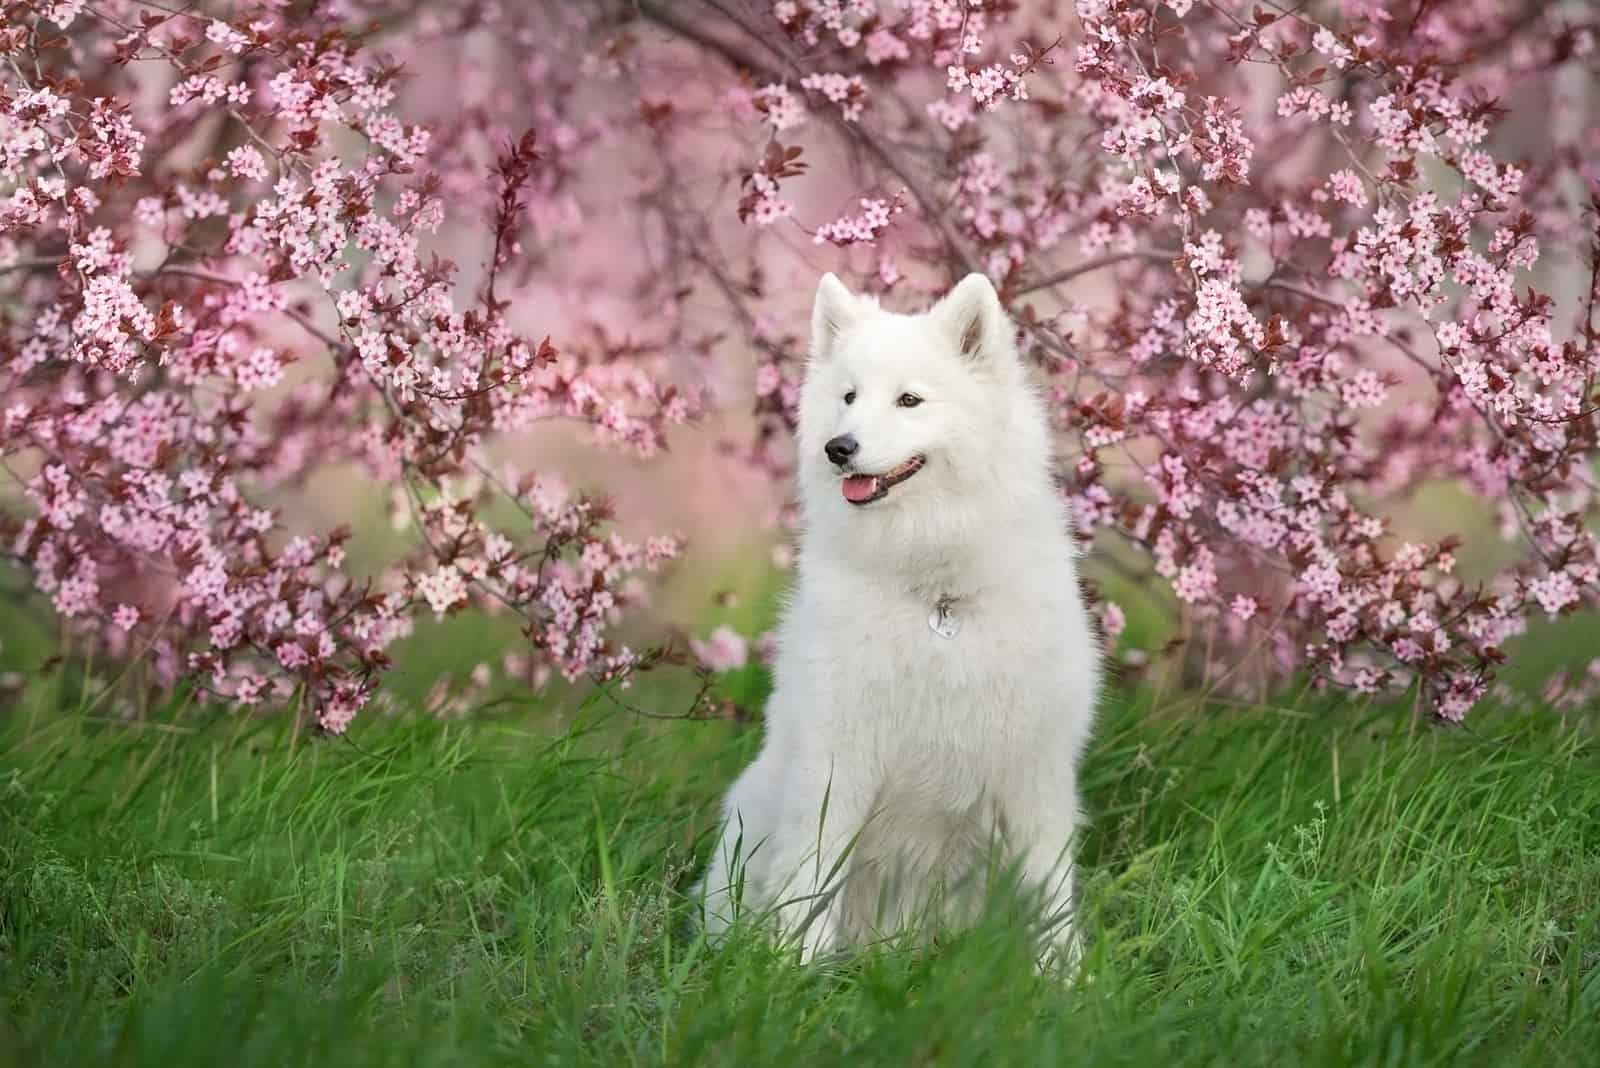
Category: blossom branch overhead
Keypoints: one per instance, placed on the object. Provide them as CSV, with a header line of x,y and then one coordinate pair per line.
x,y
1281,268
153,404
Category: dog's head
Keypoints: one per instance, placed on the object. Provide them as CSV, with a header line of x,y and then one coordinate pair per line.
x,y
914,412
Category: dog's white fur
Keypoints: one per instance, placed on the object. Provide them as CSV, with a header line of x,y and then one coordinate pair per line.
x,y
894,756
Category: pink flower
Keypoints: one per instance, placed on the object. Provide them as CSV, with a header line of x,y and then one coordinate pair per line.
x,y
847,91
725,650
443,589
865,228
1112,621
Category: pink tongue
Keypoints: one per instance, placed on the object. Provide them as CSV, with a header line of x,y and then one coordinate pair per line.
x,y
858,488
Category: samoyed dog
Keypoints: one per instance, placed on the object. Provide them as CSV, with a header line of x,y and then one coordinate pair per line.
x,y
935,676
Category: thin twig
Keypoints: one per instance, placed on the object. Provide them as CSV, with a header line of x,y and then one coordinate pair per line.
x,y
1154,255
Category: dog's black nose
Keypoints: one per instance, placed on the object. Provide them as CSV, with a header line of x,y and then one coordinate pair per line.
x,y
841,448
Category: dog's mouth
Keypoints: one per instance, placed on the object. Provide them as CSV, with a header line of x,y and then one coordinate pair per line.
x,y
864,489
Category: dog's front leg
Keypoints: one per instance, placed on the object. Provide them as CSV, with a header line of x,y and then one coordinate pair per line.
x,y
823,818
1050,872
1041,819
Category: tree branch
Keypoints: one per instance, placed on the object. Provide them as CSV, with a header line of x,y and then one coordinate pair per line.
x,y
1154,255
670,18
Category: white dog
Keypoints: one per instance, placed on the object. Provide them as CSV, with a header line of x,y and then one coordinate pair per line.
x,y
936,675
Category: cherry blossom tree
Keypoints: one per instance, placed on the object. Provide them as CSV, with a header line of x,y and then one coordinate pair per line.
x,y
1280,269
211,295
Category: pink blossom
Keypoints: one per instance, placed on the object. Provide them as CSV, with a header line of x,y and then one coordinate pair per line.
x,y
1112,621
725,650
849,92
865,228
783,108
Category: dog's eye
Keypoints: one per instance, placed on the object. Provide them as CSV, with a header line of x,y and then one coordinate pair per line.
x,y
850,398
909,400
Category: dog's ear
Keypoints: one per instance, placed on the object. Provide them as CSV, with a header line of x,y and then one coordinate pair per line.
x,y
835,309
971,316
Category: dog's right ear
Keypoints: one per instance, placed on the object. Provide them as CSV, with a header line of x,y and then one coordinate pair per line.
x,y
832,313
972,317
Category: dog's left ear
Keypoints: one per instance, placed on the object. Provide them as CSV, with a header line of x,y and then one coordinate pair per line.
x,y
972,317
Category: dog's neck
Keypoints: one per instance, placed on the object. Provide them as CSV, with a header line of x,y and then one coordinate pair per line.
x,y
957,564
945,593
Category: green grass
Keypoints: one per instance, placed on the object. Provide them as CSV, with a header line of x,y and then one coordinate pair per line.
x,y
1314,886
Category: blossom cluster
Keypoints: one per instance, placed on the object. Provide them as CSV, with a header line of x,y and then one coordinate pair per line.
x,y
1318,308
213,299
1361,339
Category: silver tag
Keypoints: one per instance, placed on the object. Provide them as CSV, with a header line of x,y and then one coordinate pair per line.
x,y
942,620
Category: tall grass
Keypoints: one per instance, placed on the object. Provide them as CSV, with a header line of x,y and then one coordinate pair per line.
x,y
1288,886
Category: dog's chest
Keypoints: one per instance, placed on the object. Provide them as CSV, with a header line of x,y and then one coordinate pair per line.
x,y
922,671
